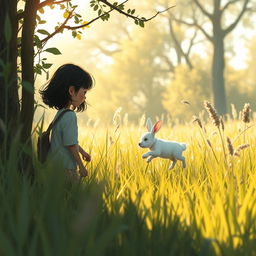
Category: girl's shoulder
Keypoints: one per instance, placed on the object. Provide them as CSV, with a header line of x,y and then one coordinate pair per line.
x,y
67,116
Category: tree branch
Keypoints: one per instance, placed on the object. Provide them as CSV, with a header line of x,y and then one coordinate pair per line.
x,y
228,4
107,52
90,22
51,2
195,24
192,43
130,15
209,15
169,63
233,25
178,45
64,26
60,28
120,11
41,5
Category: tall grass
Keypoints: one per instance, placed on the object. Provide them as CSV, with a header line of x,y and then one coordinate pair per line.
x,y
214,197
129,207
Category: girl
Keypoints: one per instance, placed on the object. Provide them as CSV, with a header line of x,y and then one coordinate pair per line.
x,y
67,90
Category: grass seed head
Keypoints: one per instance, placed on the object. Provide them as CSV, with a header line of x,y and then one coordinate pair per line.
x,y
209,143
212,113
241,147
246,113
222,123
230,147
197,120
233,111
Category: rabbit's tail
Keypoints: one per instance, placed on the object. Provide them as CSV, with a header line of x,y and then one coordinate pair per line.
x,y
184,146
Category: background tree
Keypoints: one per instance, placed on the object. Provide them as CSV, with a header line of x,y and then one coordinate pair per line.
x,y
215,26
135,80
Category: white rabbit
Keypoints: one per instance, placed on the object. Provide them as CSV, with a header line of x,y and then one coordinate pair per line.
x,y
161,148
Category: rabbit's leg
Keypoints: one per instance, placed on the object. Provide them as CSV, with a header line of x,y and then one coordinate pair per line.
x,y
146,155
151,153
150,159
173,163
182,158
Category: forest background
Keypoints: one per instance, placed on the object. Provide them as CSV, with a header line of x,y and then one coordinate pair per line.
x,y
162,69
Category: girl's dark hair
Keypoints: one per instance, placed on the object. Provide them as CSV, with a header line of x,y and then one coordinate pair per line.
x,y
56,92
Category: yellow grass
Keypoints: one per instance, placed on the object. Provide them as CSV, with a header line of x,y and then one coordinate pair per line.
x,y
215,193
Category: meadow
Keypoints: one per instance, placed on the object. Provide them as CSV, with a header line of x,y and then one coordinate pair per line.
x,y
129,207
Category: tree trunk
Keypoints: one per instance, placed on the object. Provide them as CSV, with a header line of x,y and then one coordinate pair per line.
x,y
9,101
218,83
27,64
218,63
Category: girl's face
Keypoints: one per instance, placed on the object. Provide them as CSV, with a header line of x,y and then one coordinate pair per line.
x,y
77,98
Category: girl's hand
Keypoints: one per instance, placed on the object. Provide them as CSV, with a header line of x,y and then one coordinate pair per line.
x,y
86,156
83,172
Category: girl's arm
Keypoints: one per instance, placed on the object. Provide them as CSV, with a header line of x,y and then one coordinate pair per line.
x,y
74,151
84,154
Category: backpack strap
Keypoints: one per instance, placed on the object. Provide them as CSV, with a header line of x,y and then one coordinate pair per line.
x,y
56,120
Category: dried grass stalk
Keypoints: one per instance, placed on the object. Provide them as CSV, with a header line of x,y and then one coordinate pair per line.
x,y
246,113
230,147
241,147
212,113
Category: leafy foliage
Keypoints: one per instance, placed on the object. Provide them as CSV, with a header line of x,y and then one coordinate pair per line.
x,y
187,86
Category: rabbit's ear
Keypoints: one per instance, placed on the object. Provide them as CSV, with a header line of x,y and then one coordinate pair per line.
x,y
149,125
157,126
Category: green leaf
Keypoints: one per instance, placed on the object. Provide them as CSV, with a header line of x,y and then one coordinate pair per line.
x,y
76,20
133,11
47,65
38,42
7,29
95,7
53,50
44,32
74,33
42,21
141,23
121,7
